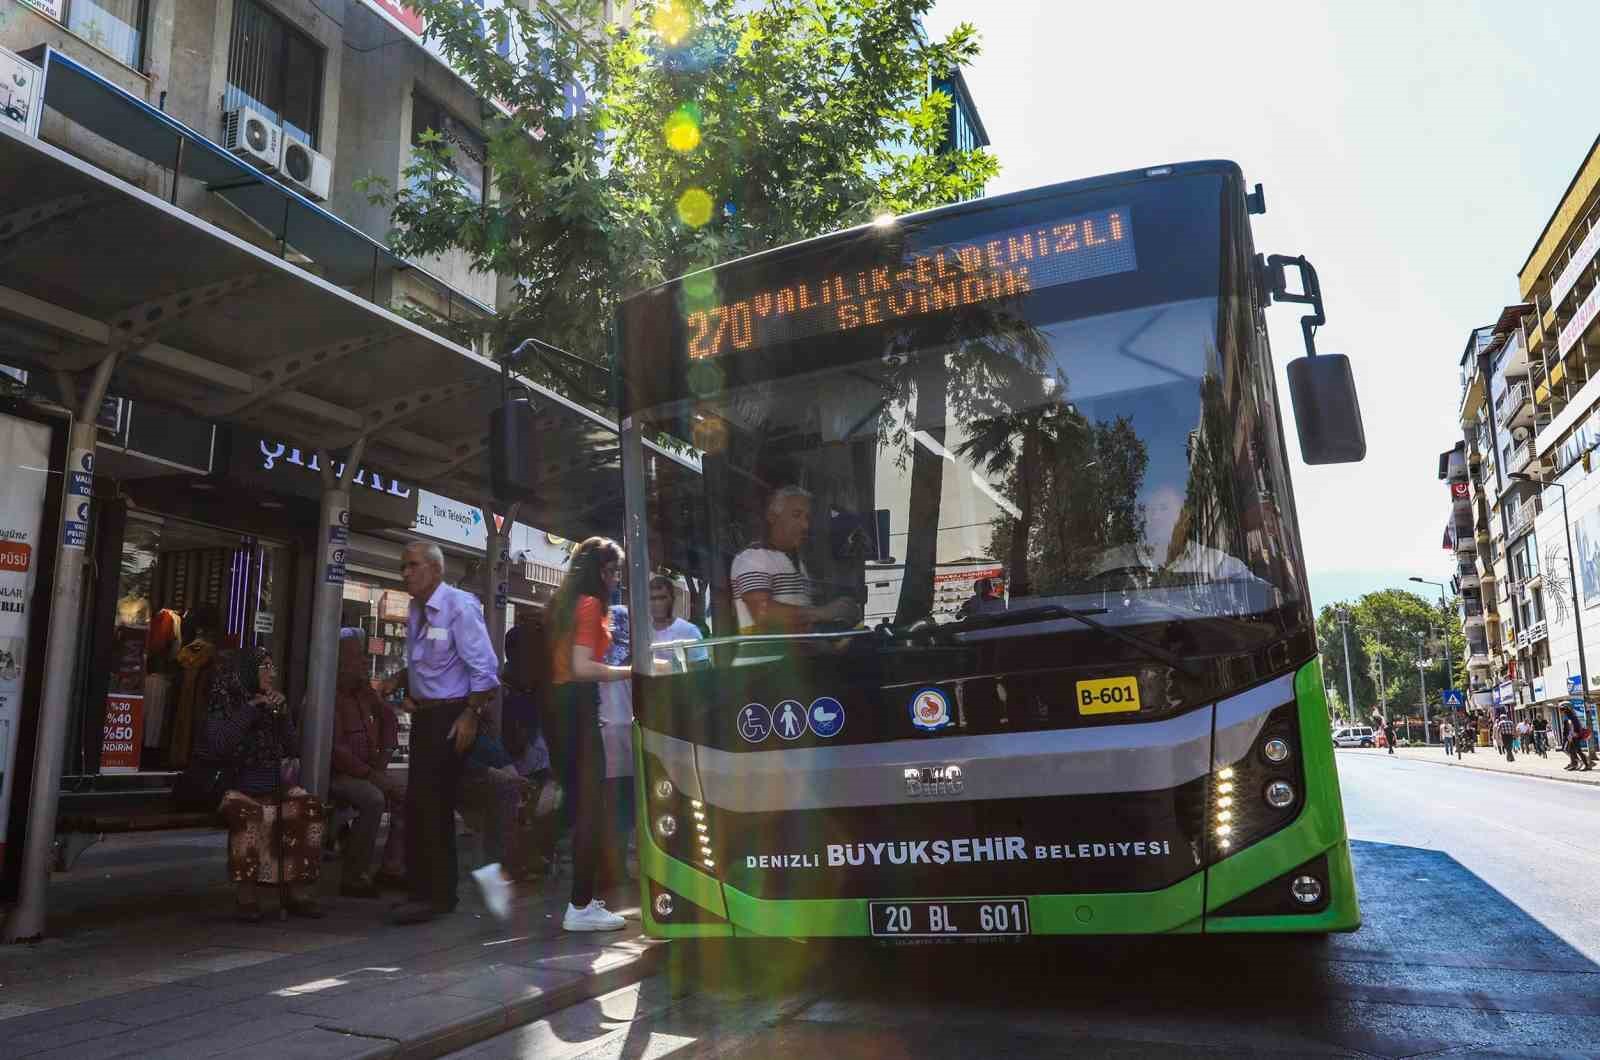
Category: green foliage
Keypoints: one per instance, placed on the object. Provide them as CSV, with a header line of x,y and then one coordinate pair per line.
x,y
1383,628
806,115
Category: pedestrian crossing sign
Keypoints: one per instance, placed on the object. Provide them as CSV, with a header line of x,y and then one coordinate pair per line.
x,y
1454,698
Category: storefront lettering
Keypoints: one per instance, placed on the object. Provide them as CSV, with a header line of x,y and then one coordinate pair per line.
x,y
272,452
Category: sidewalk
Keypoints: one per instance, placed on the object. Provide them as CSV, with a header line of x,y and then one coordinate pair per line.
x,y
1489,760
144,958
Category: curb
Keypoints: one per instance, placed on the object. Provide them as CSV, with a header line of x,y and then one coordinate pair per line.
x,y
1588,781
450,1037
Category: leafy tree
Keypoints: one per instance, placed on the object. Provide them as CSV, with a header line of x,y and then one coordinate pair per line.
x,y
1383,628
715,131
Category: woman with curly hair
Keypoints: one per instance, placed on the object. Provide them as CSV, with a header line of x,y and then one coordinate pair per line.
x,y
274,831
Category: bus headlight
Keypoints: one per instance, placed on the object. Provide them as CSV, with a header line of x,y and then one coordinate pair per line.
x,y
666,826
663,905
1279,794
664,789
1275,750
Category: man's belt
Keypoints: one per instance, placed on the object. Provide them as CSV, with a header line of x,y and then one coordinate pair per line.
x,y
426,703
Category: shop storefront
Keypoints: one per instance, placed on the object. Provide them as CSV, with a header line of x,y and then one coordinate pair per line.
x,y
206,551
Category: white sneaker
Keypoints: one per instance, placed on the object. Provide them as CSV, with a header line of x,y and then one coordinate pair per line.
x,y
592,917
496,891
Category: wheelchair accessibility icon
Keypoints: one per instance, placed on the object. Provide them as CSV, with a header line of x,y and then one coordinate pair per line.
x,y
755,723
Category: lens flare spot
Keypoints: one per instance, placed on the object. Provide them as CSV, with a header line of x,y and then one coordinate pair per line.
x,y
673,22
694,207
682,129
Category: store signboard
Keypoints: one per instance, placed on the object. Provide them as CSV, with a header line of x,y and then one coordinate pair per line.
x,y
24,456
276,466
1580,260
462,524
446,520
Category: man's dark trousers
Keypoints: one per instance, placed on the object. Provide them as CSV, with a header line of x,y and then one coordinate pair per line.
x,y
432,785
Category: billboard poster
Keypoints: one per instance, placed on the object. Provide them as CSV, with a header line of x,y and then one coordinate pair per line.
x,y
1586,545
24,479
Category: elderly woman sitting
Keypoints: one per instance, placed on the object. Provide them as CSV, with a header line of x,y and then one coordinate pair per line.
x,y
274,831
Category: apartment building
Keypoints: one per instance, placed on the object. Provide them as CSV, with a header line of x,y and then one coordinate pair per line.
x,y
1530,412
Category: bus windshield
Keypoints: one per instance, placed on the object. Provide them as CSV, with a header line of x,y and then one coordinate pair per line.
x,y
1048,414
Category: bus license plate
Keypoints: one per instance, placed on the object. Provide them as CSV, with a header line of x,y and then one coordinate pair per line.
x,y
949,918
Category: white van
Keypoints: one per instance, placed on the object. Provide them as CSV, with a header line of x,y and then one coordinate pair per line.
x,y
1355,736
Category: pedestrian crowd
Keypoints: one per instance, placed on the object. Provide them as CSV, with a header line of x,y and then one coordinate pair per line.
x,y
524,750
1528,736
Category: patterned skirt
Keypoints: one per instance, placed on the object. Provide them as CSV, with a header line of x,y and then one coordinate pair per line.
x,y
255,835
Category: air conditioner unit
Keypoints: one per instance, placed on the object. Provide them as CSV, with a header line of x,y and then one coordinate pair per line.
x,y
304,169
247,133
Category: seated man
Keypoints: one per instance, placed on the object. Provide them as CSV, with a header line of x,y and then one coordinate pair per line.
x,y
509,797
773,592
365,735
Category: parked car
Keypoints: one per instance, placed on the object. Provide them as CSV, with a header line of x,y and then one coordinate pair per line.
x,y
1355,736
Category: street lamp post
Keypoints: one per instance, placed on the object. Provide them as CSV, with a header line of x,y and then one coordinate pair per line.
x,y
1449,665
1349,680
1422,682
1572,580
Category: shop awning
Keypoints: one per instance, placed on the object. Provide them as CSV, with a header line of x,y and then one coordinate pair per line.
x,y
223,330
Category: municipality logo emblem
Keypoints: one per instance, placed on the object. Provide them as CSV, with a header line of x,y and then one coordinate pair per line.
x,y
930,709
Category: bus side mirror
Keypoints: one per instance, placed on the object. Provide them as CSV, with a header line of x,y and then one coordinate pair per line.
x,y
1327,410
513,452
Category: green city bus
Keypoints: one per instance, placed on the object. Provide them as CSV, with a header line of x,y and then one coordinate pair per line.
x,y
986,513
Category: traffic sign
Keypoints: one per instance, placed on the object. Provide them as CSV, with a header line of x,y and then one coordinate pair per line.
x,y
1575,684
1454,698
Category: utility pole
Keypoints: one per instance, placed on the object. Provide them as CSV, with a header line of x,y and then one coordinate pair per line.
x,y
1349,678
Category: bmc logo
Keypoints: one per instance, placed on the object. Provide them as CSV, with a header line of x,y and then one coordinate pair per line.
x,y
14,555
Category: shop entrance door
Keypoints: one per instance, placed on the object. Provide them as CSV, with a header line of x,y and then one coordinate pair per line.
x,y
185,593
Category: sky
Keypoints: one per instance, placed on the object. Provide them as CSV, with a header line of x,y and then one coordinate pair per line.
x,y
1413,151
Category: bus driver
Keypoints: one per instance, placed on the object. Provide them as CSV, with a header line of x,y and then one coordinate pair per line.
x,y
773,592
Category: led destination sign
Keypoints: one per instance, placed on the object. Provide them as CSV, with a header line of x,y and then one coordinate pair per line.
x,y
941,278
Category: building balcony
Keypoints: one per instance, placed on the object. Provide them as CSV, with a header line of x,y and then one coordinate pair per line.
x,y
1521,520
1515,408
1533,581
1520,457
1479,659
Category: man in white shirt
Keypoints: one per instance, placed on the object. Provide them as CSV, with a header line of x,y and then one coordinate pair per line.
x,y
772,590
666,627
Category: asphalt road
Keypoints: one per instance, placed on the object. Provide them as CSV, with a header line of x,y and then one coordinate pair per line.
x,y
1481,937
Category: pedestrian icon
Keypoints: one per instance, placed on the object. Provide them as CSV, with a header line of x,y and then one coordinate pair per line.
x,y
755,724
826,717
790,719
1454,698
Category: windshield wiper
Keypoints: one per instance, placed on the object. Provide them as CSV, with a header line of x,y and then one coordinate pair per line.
x,y
1046,611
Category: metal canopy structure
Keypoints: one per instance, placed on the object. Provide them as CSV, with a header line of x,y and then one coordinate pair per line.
x,y
206,323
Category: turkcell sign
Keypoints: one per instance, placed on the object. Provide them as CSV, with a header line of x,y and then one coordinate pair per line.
x,y
1575,684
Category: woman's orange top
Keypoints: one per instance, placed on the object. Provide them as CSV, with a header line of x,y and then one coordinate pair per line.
x,y
591,628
